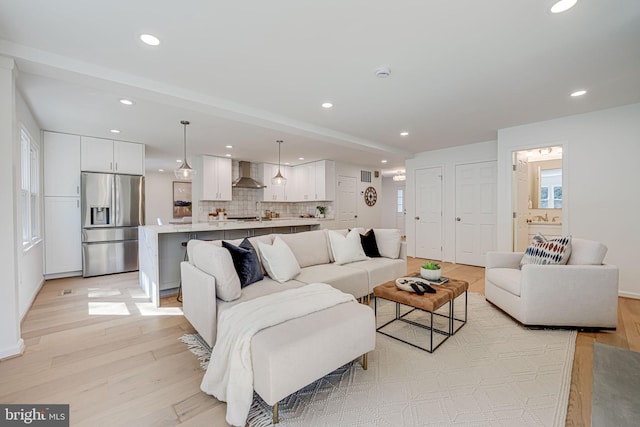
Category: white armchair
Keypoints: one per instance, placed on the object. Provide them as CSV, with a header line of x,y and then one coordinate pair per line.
x,y
583,293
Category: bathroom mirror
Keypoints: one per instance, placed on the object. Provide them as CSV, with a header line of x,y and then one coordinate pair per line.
x,y
545,189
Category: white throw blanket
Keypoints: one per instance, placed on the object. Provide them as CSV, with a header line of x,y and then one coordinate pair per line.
x,y
229,376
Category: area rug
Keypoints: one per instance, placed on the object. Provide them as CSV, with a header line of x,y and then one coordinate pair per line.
x,y
616,387
493,372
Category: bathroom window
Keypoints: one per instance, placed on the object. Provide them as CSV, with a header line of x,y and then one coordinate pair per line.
x,y
29,194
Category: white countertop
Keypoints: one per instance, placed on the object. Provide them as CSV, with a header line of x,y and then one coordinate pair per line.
x,y
230,225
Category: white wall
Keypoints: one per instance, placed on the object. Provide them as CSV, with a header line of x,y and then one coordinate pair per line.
x,y
601,195
31,262
10,342
368,216
448,159
390,197
158,196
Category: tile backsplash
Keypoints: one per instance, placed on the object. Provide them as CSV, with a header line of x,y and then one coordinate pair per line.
x,y
246,203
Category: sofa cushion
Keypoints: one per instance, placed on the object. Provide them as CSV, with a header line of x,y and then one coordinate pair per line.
x,y
280,263
507,279
388,241
543,251
369,244
350,280
216,261
381,270
264,287
309,247
245,261
346,249
587,252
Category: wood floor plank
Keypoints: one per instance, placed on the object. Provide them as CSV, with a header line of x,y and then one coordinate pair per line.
x,y
132,370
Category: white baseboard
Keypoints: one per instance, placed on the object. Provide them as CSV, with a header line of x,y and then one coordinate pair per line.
x,y
12,351
633,295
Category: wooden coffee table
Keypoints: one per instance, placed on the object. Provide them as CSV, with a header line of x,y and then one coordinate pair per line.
x,y
428,303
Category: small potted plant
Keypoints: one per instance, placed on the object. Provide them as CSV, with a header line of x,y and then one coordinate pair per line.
x,y
430,271
320,211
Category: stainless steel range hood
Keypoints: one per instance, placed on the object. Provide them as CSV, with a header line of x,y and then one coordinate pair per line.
x,y
245,180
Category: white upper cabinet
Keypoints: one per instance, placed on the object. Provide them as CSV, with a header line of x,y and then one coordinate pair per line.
x,y
276,193
106,155
305,182
216,178
128,158
308,182
325,180
61,165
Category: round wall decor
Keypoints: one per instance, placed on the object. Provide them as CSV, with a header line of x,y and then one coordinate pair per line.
x,y
370,196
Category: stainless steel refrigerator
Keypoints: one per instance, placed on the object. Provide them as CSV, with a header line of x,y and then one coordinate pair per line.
x,y
112,210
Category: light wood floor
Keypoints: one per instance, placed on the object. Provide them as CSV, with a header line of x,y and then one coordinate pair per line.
x,y
117,361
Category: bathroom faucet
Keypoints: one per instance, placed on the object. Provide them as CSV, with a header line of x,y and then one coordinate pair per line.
x,y
555,218
544,218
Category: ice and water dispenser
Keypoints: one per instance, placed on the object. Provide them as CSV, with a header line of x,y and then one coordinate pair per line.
x,y
100,215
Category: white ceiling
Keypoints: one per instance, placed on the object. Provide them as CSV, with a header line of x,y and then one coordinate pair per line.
x,y
247,73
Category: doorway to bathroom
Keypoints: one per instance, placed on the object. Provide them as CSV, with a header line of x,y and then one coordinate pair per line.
x,y
538,194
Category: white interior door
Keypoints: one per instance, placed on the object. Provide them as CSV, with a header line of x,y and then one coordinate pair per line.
x,y
521,198
346,216
476,202
428,219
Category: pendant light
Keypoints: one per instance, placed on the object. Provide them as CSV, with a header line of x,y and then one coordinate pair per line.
x,y
278,179
184,172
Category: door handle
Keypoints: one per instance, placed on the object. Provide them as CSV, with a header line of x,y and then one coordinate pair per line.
x,y
458,218
418,218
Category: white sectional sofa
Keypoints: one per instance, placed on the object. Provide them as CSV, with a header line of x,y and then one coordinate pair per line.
x,y
313,252
290,355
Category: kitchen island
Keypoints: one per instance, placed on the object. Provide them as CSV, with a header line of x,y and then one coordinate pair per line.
x,y
161,249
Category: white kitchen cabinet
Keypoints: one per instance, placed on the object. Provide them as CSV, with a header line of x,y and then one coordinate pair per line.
x,y
216,178
62,235
276,193
61,164
106,155
304,188
325,180
128,158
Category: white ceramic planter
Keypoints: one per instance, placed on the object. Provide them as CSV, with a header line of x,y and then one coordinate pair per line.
x,y
430,274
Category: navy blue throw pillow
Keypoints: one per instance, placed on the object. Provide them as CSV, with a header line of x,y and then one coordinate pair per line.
x,y
369,244
245,261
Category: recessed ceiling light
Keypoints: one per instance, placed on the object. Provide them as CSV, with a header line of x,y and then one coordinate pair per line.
x,y
228,146
149,39
563,5
578,93
179,161
228,155
300,158
327,105
126,101
114,131
404,133
287,163
160,170
383,161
